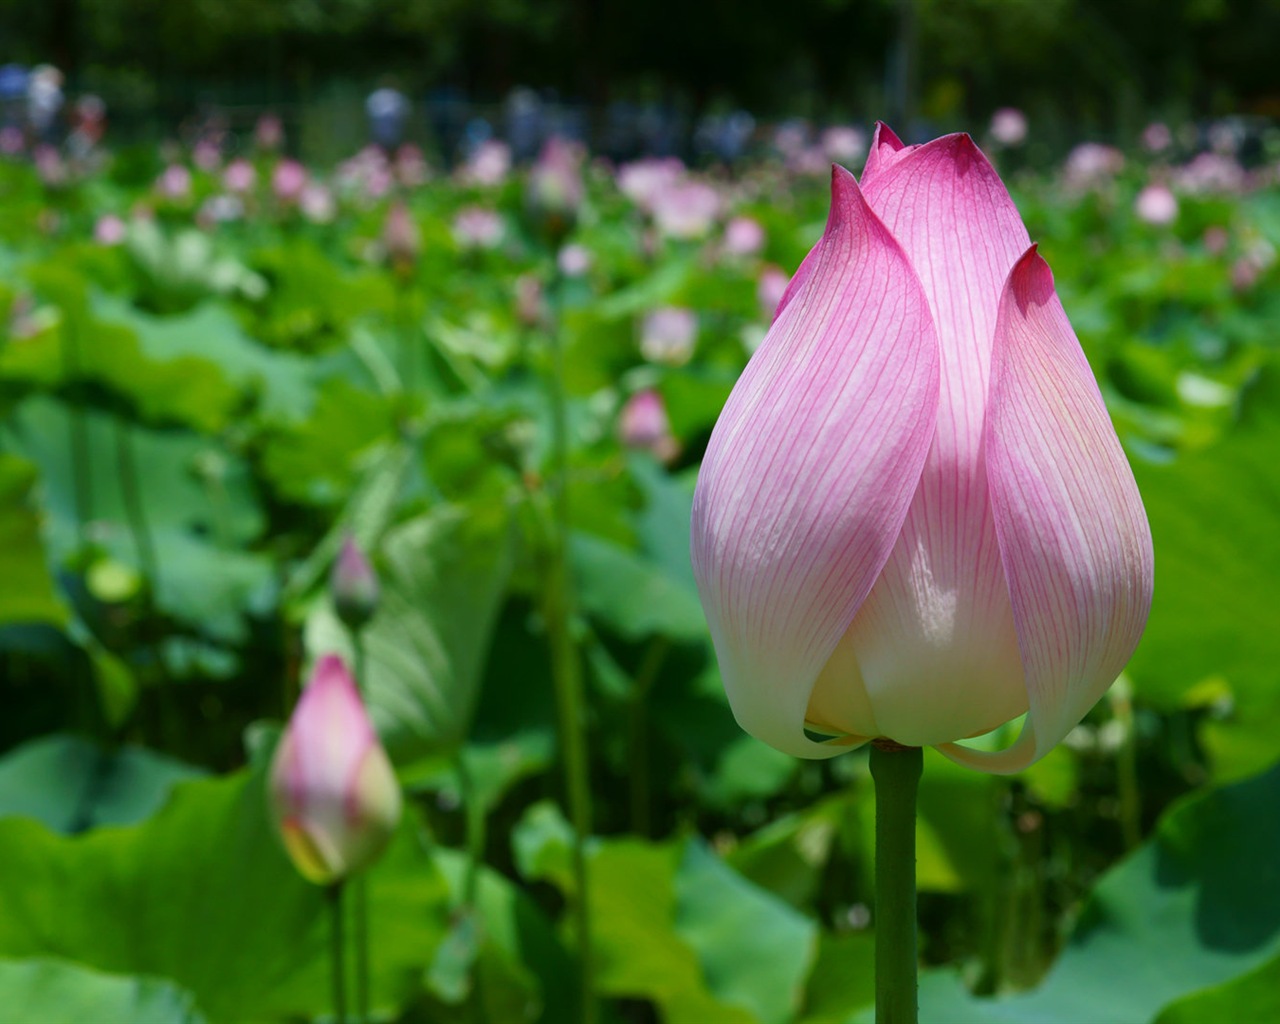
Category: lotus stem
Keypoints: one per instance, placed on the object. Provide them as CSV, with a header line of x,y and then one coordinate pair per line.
x,y
896,771
337,963
361,908
566,668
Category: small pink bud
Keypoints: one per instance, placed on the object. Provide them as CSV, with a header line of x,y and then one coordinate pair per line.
x,y
401,238
668,335
332,792
743,236
643,425
239,176
288,180
354,585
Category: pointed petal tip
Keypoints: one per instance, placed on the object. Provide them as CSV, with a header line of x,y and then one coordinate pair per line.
x,y
1031,280
886,136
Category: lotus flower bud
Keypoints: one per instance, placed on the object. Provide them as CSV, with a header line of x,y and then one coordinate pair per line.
x,y
288,181
401,239
643,425
914,519
332,791
668,335
555,189
354,585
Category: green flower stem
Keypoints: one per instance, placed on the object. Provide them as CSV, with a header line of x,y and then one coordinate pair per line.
x,y
81,462
361,882
338,964
639,773
566,667
896,771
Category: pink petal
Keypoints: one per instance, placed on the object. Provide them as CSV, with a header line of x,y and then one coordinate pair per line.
x,y
801,275
811,468
935,641
886,149
1072,531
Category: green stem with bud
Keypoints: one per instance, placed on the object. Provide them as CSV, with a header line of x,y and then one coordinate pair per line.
x,y
338,964
896,771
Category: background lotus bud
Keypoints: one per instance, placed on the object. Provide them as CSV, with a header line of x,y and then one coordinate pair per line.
x,y
743,236
268,133
109,230
332,791
844,144
474,227
401,238
1008,127
770,289
686,209
667,335
574,260
643,425
489,164
1156,205
174,183
239,176
642,180
555,188
288,180
914,519
354,586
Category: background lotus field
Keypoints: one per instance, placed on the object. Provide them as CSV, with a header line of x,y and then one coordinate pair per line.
x,y
208,381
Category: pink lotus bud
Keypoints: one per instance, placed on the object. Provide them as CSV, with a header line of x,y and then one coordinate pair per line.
x,y
110,230
686,209
1092,165
668,335
574,260
643,425
12,141
488,165
411,167
642,180
1216,239
317,204
914,519
333,794
1156,137
206,154
529,307
239,176
477,228
174,183
1156,205
354,586
555,188
743,236
1009,127
288,180
268,133
844,144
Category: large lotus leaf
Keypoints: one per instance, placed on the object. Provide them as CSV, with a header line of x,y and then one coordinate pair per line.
x,y
208,341
443,576
632,595
1253,997
196,500
28,594
1197,906
69,784
202,893
1213,622
43,991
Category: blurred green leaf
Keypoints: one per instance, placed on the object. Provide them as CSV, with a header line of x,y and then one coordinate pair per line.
x,y
44,991
69,784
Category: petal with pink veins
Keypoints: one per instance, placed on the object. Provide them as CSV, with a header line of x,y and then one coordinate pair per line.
x,y
935,640
1073,534
811,468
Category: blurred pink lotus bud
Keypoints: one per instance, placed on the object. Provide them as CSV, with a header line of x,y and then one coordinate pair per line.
x,y
400,237
1216,239
743,236
50,167
1092,165
1211,174
770,289
206,154
642,180
1008,127
914,519
1258,257
174,183
555,188
288,180
268,133
475,227
1156,137
239,176
667,335
333,794
529,308
219,209
574,260
643,425
488,165
844,144
354,586
317,203
411,167
110,230
686,209
11,140
1157,205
